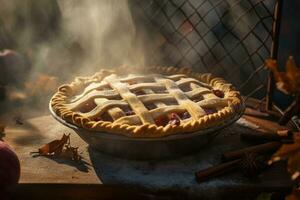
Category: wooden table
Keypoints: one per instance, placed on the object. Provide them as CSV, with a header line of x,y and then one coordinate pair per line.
x,y
107,177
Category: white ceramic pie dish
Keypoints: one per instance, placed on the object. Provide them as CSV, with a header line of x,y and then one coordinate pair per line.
x,y
149,148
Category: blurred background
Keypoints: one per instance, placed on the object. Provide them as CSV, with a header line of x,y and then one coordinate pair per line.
x,y
45,43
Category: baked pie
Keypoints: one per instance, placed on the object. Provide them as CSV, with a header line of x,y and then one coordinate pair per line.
x,y
158,102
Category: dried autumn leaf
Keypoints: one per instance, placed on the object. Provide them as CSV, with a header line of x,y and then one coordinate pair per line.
x,y
55,147
294,165
288,81
290,152
287,150
71,153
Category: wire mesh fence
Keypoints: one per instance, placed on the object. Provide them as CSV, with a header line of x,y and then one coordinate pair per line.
x,y
229,38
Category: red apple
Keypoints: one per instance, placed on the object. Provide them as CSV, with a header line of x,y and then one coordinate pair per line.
x,y
14,67
9,166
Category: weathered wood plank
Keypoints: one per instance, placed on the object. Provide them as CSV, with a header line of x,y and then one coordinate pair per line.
x,y
165,175
33,134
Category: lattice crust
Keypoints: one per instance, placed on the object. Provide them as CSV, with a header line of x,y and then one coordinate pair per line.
x,y
135,104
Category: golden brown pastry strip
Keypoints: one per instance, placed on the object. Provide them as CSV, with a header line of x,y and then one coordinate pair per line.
x,y
136,105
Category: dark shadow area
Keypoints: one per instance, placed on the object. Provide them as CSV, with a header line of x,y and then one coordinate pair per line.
x,y
167,172
80,165
178,174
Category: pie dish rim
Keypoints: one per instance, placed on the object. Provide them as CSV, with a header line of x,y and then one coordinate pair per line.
x,y
183,135
236,108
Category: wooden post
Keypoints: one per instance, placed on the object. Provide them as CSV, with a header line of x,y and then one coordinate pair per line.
x,y
274,52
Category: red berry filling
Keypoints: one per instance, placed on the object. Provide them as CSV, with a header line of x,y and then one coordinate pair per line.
x,y
161,91
131,82
87,107
98,119
162,121
172,116
184,115
140,92
150,106
174,119
219,93
129,112
210,110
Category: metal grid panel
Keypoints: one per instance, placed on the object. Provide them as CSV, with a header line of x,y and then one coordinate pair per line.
x,y
229,38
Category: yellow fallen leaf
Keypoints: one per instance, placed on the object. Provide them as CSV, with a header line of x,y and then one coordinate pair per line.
x,y
288,81
291,153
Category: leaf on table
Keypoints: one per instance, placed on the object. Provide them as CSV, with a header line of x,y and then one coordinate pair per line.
x,y
60,148
54,147
291,153
71,152
288,81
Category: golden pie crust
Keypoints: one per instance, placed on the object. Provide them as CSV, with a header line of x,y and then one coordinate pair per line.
x,y
110,92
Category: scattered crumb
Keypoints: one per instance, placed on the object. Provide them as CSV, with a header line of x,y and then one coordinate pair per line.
x,y
19,120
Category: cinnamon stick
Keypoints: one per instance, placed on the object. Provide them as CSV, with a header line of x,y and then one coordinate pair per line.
x,y
256,113
282,135
261,148
214,171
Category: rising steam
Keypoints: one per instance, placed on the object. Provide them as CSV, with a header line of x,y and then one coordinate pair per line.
x,y
104,30
71,37
63,39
